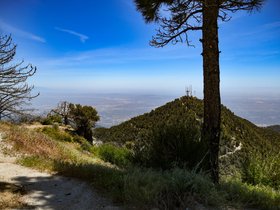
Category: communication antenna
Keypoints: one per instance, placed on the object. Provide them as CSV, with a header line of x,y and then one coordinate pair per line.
x,y
188,91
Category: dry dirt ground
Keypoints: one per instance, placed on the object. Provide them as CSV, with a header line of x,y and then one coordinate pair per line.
x,y
47,191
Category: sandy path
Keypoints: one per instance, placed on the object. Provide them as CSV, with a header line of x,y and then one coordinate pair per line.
x,y
46,191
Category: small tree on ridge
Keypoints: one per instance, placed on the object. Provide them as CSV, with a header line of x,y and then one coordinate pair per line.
x,y
84,118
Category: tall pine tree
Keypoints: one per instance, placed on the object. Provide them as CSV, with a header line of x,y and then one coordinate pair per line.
x,y
190,15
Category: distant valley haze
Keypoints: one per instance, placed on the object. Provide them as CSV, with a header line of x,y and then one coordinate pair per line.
x,y
261,108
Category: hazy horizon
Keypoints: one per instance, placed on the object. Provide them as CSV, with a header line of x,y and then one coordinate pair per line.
x,y
261,108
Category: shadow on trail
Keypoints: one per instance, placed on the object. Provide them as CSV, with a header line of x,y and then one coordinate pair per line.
x,y
58,192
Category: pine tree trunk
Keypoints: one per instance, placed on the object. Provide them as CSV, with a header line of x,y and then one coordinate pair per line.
x,y
211,73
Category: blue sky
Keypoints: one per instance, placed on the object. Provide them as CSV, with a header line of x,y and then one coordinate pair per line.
x,y
103,46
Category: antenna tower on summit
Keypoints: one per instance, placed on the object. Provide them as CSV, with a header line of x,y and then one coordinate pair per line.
x,y
188,91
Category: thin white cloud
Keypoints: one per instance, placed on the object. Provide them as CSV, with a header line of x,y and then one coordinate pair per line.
x,y
113,56
9,29
272,25
82,37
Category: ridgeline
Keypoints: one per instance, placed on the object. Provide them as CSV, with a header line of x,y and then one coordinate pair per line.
x,y
182,119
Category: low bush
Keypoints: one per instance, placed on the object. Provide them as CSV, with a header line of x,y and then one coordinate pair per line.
x,y
51,119
247,195
116,155
85,145
68,136
56,133
262,169
171,189
40,163
170,144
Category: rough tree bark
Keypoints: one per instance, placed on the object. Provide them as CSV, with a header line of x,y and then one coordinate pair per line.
x,y
211,75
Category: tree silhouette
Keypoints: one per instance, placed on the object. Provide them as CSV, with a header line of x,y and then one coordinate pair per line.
x,y
84,118
181,17
63,110
14,91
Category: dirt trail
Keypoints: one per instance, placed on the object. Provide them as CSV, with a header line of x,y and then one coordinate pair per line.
x,y
46,191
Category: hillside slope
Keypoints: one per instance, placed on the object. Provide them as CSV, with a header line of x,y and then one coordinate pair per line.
x,y
239,136
274,128
63,152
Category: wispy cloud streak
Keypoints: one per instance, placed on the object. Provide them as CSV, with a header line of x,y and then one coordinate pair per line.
x,y
272,25
115,56
82,37
9,29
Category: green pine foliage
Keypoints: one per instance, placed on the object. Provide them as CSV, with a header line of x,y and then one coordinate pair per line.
x,y
274,128
84,118
170,136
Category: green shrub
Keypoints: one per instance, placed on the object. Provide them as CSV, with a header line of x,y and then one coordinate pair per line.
x,y
57,134
46,121
262,169
85,145
113,154
143,185
60,135
37,162
51,119
172,189
248,195
171,143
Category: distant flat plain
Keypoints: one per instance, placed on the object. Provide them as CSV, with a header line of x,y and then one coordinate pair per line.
x,y
115,108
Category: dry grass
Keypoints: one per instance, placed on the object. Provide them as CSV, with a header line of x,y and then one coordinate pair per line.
x,y
11,196
34,143
38,125
10,200
25,141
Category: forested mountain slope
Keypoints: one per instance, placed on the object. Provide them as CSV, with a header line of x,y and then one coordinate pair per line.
x,y
274,127
190,110
182,118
